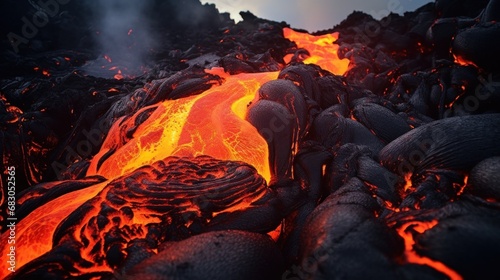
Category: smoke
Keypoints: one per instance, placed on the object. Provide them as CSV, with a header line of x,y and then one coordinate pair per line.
x,y
122,30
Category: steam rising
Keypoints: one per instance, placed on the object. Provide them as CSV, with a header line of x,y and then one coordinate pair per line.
x,y
123,36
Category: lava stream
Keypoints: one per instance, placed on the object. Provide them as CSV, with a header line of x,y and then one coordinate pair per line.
x,y
211,123
323,51
413,257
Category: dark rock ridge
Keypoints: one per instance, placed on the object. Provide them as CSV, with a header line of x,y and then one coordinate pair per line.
x,y
389,171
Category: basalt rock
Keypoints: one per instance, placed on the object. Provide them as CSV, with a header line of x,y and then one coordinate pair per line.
x,y
469,44
484,179
287,94
454,230
445,144
278,126
338,233
384,123
214,255
333,131
170,200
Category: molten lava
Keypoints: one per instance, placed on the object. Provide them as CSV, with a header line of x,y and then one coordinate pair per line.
x,y
464,62
175,192
322,50
34,233
413,257
211,123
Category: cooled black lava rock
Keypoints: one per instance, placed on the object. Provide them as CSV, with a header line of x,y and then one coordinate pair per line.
x,y
456,143
470,45
384,123
277,125
215,255
333,131
492,12
286,93
342,239
484,179
465,237
170,200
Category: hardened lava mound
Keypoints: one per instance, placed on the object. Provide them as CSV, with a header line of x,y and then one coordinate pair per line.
x,y
133,216
252,150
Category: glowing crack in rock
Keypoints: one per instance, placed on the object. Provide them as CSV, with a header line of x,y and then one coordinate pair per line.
x,y
211,123
413,257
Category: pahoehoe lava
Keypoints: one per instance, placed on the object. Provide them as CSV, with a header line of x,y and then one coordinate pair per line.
x,y
251,150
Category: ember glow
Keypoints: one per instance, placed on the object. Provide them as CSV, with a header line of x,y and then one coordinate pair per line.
x,y
462,61
37,231
407,232
191,133
34,233
211,123
322,50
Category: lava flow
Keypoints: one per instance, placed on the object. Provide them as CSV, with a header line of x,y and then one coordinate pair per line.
x,y
322,50
464,62
414,257
211,123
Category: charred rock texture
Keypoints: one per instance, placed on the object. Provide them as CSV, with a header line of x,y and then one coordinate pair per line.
x,y
445,144
342,237
468,45
333,131
278,126
356,161
286,93
464,237
377,117
214,255
484,179
167,201
387,171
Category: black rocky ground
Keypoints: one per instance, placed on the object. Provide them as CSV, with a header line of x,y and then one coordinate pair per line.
x,y
398,135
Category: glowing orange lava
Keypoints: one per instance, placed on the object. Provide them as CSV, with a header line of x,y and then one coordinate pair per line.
x,y
211,123
408,185
412,256
34,233
322,49
464,62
